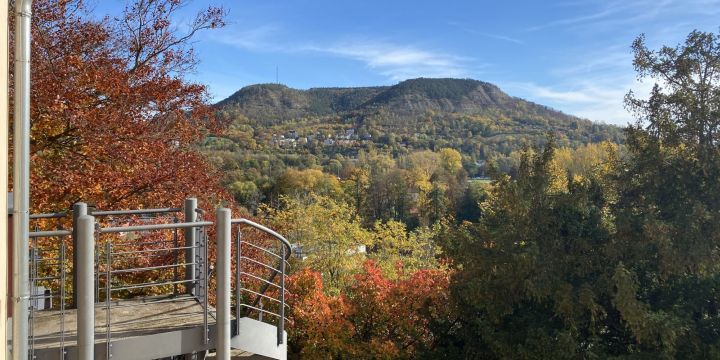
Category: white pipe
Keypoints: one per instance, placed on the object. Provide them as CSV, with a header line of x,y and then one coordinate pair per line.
x,y
21,180
4,125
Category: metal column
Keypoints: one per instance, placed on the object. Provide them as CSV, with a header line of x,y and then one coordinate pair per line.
x,y
85,284
4,122
79,209
190,210
224,295
21,181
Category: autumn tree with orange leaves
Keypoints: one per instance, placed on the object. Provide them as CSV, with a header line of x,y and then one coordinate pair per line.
x,y
375,318
114,120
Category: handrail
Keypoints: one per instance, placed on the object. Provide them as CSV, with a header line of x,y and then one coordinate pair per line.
x,y
288,253
261,249
271,259
61,214
287,244
285,254
263,311
135,212
259,279
264,296
51,233
48,215
155,227
165,282
260,263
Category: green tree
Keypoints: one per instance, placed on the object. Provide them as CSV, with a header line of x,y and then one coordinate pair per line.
x,y
617,263
668,210
246,193
329,233
398,250
533,282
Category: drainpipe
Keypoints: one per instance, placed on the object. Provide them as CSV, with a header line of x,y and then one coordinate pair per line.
x,y
21,180
4,125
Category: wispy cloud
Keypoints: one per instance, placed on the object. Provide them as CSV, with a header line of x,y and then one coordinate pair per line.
x,y
591,79
470,30
261,38
599,103
604,13
592,84
609,15
594,90
502,37
399,62
392,60
609,62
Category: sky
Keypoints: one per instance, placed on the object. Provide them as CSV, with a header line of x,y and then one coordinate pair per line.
x,y
572,55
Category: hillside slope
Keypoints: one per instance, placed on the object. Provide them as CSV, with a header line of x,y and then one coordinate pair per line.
x,y
475,117
273,103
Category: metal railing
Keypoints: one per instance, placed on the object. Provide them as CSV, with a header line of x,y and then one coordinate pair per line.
x,y
255,293
119,256
115,217
117,271
51,280
48,280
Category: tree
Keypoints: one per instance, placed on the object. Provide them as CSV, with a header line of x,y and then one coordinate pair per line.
x,y
246,193
377,318
588,160
329,234
669,200
425,163
114,122
304,182
320,327
618,263
532,279
683,107
451,160
357,185
397,250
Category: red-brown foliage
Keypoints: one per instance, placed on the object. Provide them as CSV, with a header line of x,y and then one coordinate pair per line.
x,y
113,120
376,318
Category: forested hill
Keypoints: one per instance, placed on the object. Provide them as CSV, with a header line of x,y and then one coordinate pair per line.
x,y
285,127
274,103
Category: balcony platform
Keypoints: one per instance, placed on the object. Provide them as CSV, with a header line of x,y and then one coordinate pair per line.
x,y
146,328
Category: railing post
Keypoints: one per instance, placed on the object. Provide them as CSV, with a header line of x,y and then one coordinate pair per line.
x,y
238,283
79,209
190,216
223,283
281,321
85,282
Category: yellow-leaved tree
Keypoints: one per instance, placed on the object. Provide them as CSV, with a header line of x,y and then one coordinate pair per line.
x,y
328,233
398,251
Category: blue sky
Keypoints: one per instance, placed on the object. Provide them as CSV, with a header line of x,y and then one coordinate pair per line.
x,y
573,55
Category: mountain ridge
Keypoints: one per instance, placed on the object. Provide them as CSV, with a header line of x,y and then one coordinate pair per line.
x,y
272,126
275,103
476,118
